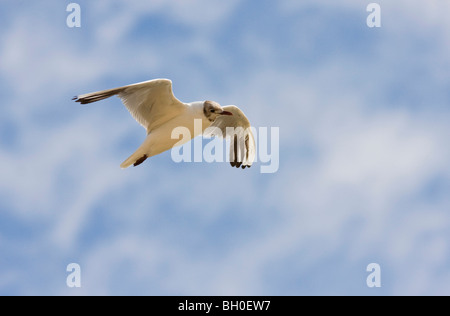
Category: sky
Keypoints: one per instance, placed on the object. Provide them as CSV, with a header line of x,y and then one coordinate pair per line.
x,y
364,175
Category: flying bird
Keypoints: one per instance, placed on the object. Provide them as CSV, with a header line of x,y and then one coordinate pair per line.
x,y
153,105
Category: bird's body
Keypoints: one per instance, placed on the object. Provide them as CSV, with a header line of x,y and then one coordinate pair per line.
x,y
160,138
154,106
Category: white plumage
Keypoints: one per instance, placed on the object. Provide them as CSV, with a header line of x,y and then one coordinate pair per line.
x,y
153,105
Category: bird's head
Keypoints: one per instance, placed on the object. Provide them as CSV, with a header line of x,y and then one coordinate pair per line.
x,y
212,110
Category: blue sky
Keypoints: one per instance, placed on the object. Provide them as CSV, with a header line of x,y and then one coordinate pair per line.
x,y
364,158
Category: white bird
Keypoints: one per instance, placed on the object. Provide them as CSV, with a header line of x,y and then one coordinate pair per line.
x,y
153,105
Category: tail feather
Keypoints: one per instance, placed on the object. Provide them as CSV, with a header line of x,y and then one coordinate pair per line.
x,y
97,96
135,159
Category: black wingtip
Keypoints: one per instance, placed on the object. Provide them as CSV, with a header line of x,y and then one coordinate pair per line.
x,y
239,165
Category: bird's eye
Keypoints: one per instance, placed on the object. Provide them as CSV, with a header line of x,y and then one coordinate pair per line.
x,y
212,110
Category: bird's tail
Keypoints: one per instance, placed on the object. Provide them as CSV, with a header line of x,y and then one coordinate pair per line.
x,y
135,159
139,156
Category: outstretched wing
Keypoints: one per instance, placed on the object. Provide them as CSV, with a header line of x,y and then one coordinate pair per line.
x,y
151,103
237,128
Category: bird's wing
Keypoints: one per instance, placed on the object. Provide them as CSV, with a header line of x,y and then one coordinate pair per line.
x,y
237,128
151,103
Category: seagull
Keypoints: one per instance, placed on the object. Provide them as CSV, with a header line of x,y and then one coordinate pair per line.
x,y
153,105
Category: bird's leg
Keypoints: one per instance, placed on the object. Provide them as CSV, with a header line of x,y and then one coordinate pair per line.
x,y
140,160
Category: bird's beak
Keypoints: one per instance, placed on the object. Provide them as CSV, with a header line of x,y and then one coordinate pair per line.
x,y
226,113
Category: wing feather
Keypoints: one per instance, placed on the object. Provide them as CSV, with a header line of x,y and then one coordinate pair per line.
x,y
237,128
151,103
